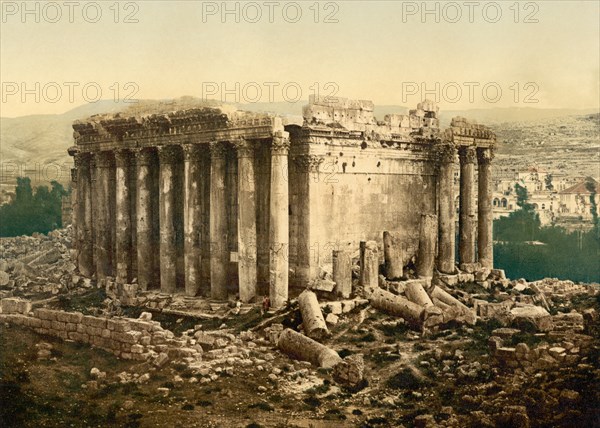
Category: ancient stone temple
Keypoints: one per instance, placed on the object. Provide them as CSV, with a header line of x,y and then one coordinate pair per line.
x,y
213,202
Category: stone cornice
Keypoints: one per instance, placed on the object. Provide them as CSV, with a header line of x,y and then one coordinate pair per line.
x,y
201,125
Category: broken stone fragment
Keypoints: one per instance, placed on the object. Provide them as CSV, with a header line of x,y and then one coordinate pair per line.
x,y
397,305
350,371
332,319
531,317
312,318
304,348
466,315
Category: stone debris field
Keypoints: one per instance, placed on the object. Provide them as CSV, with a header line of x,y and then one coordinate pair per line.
x,y
472,349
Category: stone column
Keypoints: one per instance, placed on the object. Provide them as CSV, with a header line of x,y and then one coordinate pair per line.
x,y
426,252
246,220
105,162
169,160
369,266
342,273
85,258
219,252
192,217
279,222
123,224
466,228
446,254
485,244
146,259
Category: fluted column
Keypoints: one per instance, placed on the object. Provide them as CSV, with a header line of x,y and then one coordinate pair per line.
x,y
485,245
279,222
219,259
85,238
123,213
466,226
246,220
192,216
446,254
169,157
146,253
105,164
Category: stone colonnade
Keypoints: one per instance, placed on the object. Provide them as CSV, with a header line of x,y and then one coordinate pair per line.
x,y
128,216
469,241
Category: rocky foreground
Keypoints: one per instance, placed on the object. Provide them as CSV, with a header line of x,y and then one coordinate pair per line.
x,y
468,350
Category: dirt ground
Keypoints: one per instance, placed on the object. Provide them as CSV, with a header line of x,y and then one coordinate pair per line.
x,y
448,375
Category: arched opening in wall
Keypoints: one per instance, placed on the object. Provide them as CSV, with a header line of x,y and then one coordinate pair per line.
x,y
535,206
543,206
504,202
496,202
363,145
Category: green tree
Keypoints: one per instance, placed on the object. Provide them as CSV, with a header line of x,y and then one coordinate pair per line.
x,y
32,211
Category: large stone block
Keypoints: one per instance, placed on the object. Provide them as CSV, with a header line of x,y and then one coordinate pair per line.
x,y
94,321
14,305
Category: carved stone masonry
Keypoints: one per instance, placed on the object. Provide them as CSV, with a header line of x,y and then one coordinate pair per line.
x,y
485,155
169,154
245,148
445,153
280,145
310,163
105,159
218,150
467,154
124,157
144,156
193,152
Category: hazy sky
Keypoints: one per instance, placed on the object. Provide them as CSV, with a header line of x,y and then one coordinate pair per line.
x,y
388,52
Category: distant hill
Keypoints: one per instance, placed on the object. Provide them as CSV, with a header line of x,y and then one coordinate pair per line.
x,y
39,143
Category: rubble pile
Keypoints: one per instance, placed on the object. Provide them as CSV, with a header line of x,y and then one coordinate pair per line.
x,y
39,265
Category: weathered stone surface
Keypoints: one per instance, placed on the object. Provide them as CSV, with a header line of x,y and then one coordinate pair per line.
x,y
15,306
530,316
313,322
304,348
397,305
392,251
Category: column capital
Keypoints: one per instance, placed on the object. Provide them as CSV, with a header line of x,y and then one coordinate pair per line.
x,y
310,163
280,145
193,152
143,156
169,153
82,159
105,159
244,147
124,157
485,155
466,154
217,150
445,153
